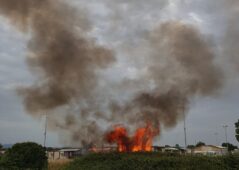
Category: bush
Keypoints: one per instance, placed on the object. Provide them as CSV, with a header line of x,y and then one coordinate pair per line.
x,y
26,155
152,161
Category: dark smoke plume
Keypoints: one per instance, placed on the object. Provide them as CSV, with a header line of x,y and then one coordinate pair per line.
x,y
179,65
230,43
66,59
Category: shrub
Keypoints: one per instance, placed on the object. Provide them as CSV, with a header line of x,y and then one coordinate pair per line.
x,y
152,161
26,155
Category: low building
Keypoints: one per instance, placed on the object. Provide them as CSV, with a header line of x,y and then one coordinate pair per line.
x,y
171,150
103,149
168,149
209,150
158,148
59,154
174,150
54,154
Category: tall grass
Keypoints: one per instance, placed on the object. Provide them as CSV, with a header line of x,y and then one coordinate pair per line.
x,y
57,165
153,161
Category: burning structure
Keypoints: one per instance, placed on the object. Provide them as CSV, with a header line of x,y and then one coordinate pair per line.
x,y
174,63
141,141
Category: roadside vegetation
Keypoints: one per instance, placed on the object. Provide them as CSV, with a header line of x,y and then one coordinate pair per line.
x,y
153,161
58,165
22,156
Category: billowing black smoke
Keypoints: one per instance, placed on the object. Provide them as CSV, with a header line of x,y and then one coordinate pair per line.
x,y
179,64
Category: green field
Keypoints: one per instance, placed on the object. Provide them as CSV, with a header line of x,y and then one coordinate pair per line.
x,y
152,161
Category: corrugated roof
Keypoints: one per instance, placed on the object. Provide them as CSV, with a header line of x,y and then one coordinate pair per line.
x,y
70,150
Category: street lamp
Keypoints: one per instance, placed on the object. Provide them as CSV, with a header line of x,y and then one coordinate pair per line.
x,y
225,128
184,128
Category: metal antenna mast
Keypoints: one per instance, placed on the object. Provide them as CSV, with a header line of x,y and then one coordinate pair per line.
x,y
45,132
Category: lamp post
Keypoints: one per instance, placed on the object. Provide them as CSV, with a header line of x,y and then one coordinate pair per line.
x,y
225,128
185,131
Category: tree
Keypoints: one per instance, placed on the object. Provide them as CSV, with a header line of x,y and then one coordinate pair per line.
x,y
177,146
200,144
1,146
230,146
26,155
237,130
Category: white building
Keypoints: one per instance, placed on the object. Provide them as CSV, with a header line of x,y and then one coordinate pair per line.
x,y
209,150
64,154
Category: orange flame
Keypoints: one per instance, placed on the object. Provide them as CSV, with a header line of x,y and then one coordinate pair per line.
x,y
141,141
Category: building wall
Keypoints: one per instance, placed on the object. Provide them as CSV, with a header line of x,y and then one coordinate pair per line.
x,y
56,155
63,154
209,150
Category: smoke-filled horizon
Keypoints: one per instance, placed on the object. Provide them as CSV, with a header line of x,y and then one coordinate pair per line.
x,y
174,61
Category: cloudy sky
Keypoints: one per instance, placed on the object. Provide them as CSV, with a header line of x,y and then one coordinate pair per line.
x,y
120,25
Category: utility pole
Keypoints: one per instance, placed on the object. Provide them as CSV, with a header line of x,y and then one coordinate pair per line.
x,y
184,127
45,132
225,128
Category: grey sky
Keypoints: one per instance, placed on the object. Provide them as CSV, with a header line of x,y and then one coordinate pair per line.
x,y
122,25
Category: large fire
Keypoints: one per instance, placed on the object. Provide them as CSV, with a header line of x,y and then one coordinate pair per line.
x,y
141,141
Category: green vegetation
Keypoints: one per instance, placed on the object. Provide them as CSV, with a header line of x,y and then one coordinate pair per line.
x,y
200,144
27,155
153,161
230,146
237,130
57,165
